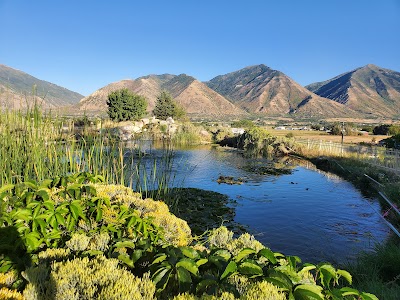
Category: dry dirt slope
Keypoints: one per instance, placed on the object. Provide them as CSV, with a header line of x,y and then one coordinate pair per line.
x,y
370,90
260,89
195,97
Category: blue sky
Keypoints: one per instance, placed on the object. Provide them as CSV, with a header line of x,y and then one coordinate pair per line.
x,y
84,45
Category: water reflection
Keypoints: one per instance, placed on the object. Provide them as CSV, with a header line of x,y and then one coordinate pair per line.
x,y
309,213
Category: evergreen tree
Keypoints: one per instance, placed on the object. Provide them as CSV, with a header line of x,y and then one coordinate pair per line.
x,y
167,107
123,105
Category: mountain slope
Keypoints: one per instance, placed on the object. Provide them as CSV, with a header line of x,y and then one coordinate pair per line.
x,y
369,90
260,89
19,89
195,97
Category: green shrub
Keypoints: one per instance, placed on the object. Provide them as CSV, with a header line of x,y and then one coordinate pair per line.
x,y
123,105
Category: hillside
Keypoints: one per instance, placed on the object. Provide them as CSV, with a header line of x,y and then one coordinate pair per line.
x,y
195,97
262,90
19,90
370,90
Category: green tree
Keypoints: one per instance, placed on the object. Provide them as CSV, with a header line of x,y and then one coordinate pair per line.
x,y
167,107
124,105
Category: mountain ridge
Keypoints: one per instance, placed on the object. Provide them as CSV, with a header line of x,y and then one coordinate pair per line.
x,y
19,90
260,89
370,90
195,97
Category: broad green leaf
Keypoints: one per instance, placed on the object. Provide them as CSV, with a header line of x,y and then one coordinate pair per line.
x,y
48,204
160,273
136,255
6,188
189,265
60,219
42,224
308,267
243,254
22,214
125,244
30,184
268,254
308,292
54,234
326,274
201,262
368,296
159,258
53,221
346,275
279,283
224,254
249,268
126,259
189,252
347,291
46,183
76,209
281,277
43,194
64,182
184,279
33,241
230,269
293,261
28,196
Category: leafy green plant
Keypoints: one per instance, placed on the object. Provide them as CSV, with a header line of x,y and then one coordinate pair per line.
x,y
47,215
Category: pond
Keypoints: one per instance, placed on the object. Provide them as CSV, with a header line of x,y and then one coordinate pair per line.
x,y
309,213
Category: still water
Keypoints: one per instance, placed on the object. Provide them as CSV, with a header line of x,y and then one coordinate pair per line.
x,y
309,213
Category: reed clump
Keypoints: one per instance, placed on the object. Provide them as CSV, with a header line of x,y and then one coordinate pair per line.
x,y
36,145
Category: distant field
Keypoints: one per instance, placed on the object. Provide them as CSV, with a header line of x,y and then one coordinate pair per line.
x,y
320,135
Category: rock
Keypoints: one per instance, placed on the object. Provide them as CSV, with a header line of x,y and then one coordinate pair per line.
x,y
145,121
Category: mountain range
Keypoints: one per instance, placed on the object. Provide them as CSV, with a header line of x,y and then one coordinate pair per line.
x,y
195,96
366,92
19,90
369,90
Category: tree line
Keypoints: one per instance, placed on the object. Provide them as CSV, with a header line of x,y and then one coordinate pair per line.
x,y
124,105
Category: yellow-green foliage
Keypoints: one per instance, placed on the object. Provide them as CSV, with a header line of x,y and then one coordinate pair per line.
x,y
82,278
53,254
82,242
223,238
6,281
223,296
263,290
176,231
7,294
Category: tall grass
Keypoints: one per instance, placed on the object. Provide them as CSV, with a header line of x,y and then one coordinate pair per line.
x,y
34,147
378,272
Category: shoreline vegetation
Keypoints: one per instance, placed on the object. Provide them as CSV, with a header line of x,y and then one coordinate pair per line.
x,y
71,227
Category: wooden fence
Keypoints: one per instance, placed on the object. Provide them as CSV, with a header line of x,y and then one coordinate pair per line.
x,y
374,155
